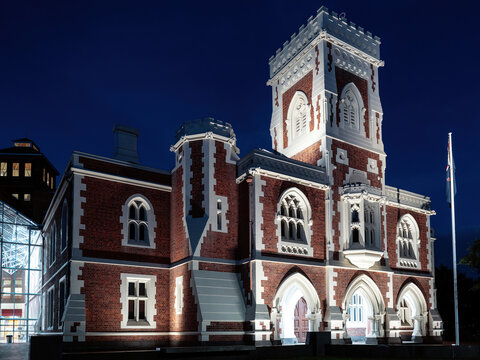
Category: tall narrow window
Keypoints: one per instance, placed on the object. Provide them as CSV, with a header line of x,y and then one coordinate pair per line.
x,y
351,105
28,169
48,179
298,115
64,225
408,242
44,174
52,244
137,299
50,307
219,214
3,169
15,169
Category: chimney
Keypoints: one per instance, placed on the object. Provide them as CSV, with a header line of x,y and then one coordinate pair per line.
x,y
125,143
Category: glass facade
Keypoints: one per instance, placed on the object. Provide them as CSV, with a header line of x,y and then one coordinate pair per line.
x,y
20,277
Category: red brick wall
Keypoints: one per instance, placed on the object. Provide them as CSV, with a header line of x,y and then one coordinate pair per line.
x,y
346,276
187,321
272,191
218,244
276,273
310,155
101,217
393,216
102,285
305,84
179,248
357,159
343,78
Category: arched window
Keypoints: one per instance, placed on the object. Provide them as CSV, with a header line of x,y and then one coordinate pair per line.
x,y
139,222
408,241
294,223
351,107
298,115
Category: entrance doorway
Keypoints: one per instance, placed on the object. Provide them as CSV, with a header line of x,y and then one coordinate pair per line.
x,y
300,320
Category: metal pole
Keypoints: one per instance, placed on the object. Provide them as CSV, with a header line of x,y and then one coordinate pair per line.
x,y
452,202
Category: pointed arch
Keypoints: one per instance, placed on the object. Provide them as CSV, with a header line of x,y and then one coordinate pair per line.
x,y
138,222
298,115
412,308
352,108
292,288
408,242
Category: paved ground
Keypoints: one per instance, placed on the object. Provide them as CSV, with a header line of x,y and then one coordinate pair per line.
x,y
14,351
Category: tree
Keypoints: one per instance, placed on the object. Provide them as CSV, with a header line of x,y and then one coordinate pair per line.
x,y
473,261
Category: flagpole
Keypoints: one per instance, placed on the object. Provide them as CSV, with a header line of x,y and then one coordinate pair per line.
x,y
452,202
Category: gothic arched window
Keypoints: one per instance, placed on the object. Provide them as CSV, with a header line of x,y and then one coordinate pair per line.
x,y
139,222
408,241
298,115
351,107
294,223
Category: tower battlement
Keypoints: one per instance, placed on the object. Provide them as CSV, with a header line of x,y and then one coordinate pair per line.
x,y
327,24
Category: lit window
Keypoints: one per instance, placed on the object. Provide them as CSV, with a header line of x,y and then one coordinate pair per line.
x,y
44,174
48,179
15,169
356,310
3,169
138,300
52,182
28,169
15,196
27,197
64,225
138,222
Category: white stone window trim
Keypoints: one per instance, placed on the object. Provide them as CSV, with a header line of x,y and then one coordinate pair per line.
x,y
178,295
355,103
150,309
50,310
303,247
63,280
151,222
414,240
64,226
52,245
291,121
220,211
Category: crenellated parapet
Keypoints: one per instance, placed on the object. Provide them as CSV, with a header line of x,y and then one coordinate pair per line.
x,y
330,26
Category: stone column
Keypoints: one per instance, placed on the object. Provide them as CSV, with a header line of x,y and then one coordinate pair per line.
x,y
417,328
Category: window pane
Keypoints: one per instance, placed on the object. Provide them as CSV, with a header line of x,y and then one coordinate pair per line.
x,y
142,214
143,232
141,310
28,169
132,212
142,291
219,221
27,197
131,231
15,169
3,169
131,310
131,289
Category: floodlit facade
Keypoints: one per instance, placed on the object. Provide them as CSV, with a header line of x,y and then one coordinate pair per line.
x,y
256,249
20,278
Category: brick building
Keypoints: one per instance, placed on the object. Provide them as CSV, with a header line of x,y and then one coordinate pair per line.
x,y
263,248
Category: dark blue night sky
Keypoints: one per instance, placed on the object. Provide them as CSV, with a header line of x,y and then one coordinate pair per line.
x,y
71,70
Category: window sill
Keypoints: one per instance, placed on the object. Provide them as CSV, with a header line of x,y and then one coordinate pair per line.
x,y
140,323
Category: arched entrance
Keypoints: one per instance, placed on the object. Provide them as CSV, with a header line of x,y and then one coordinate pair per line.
x,y
363,310
412,312
295,310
